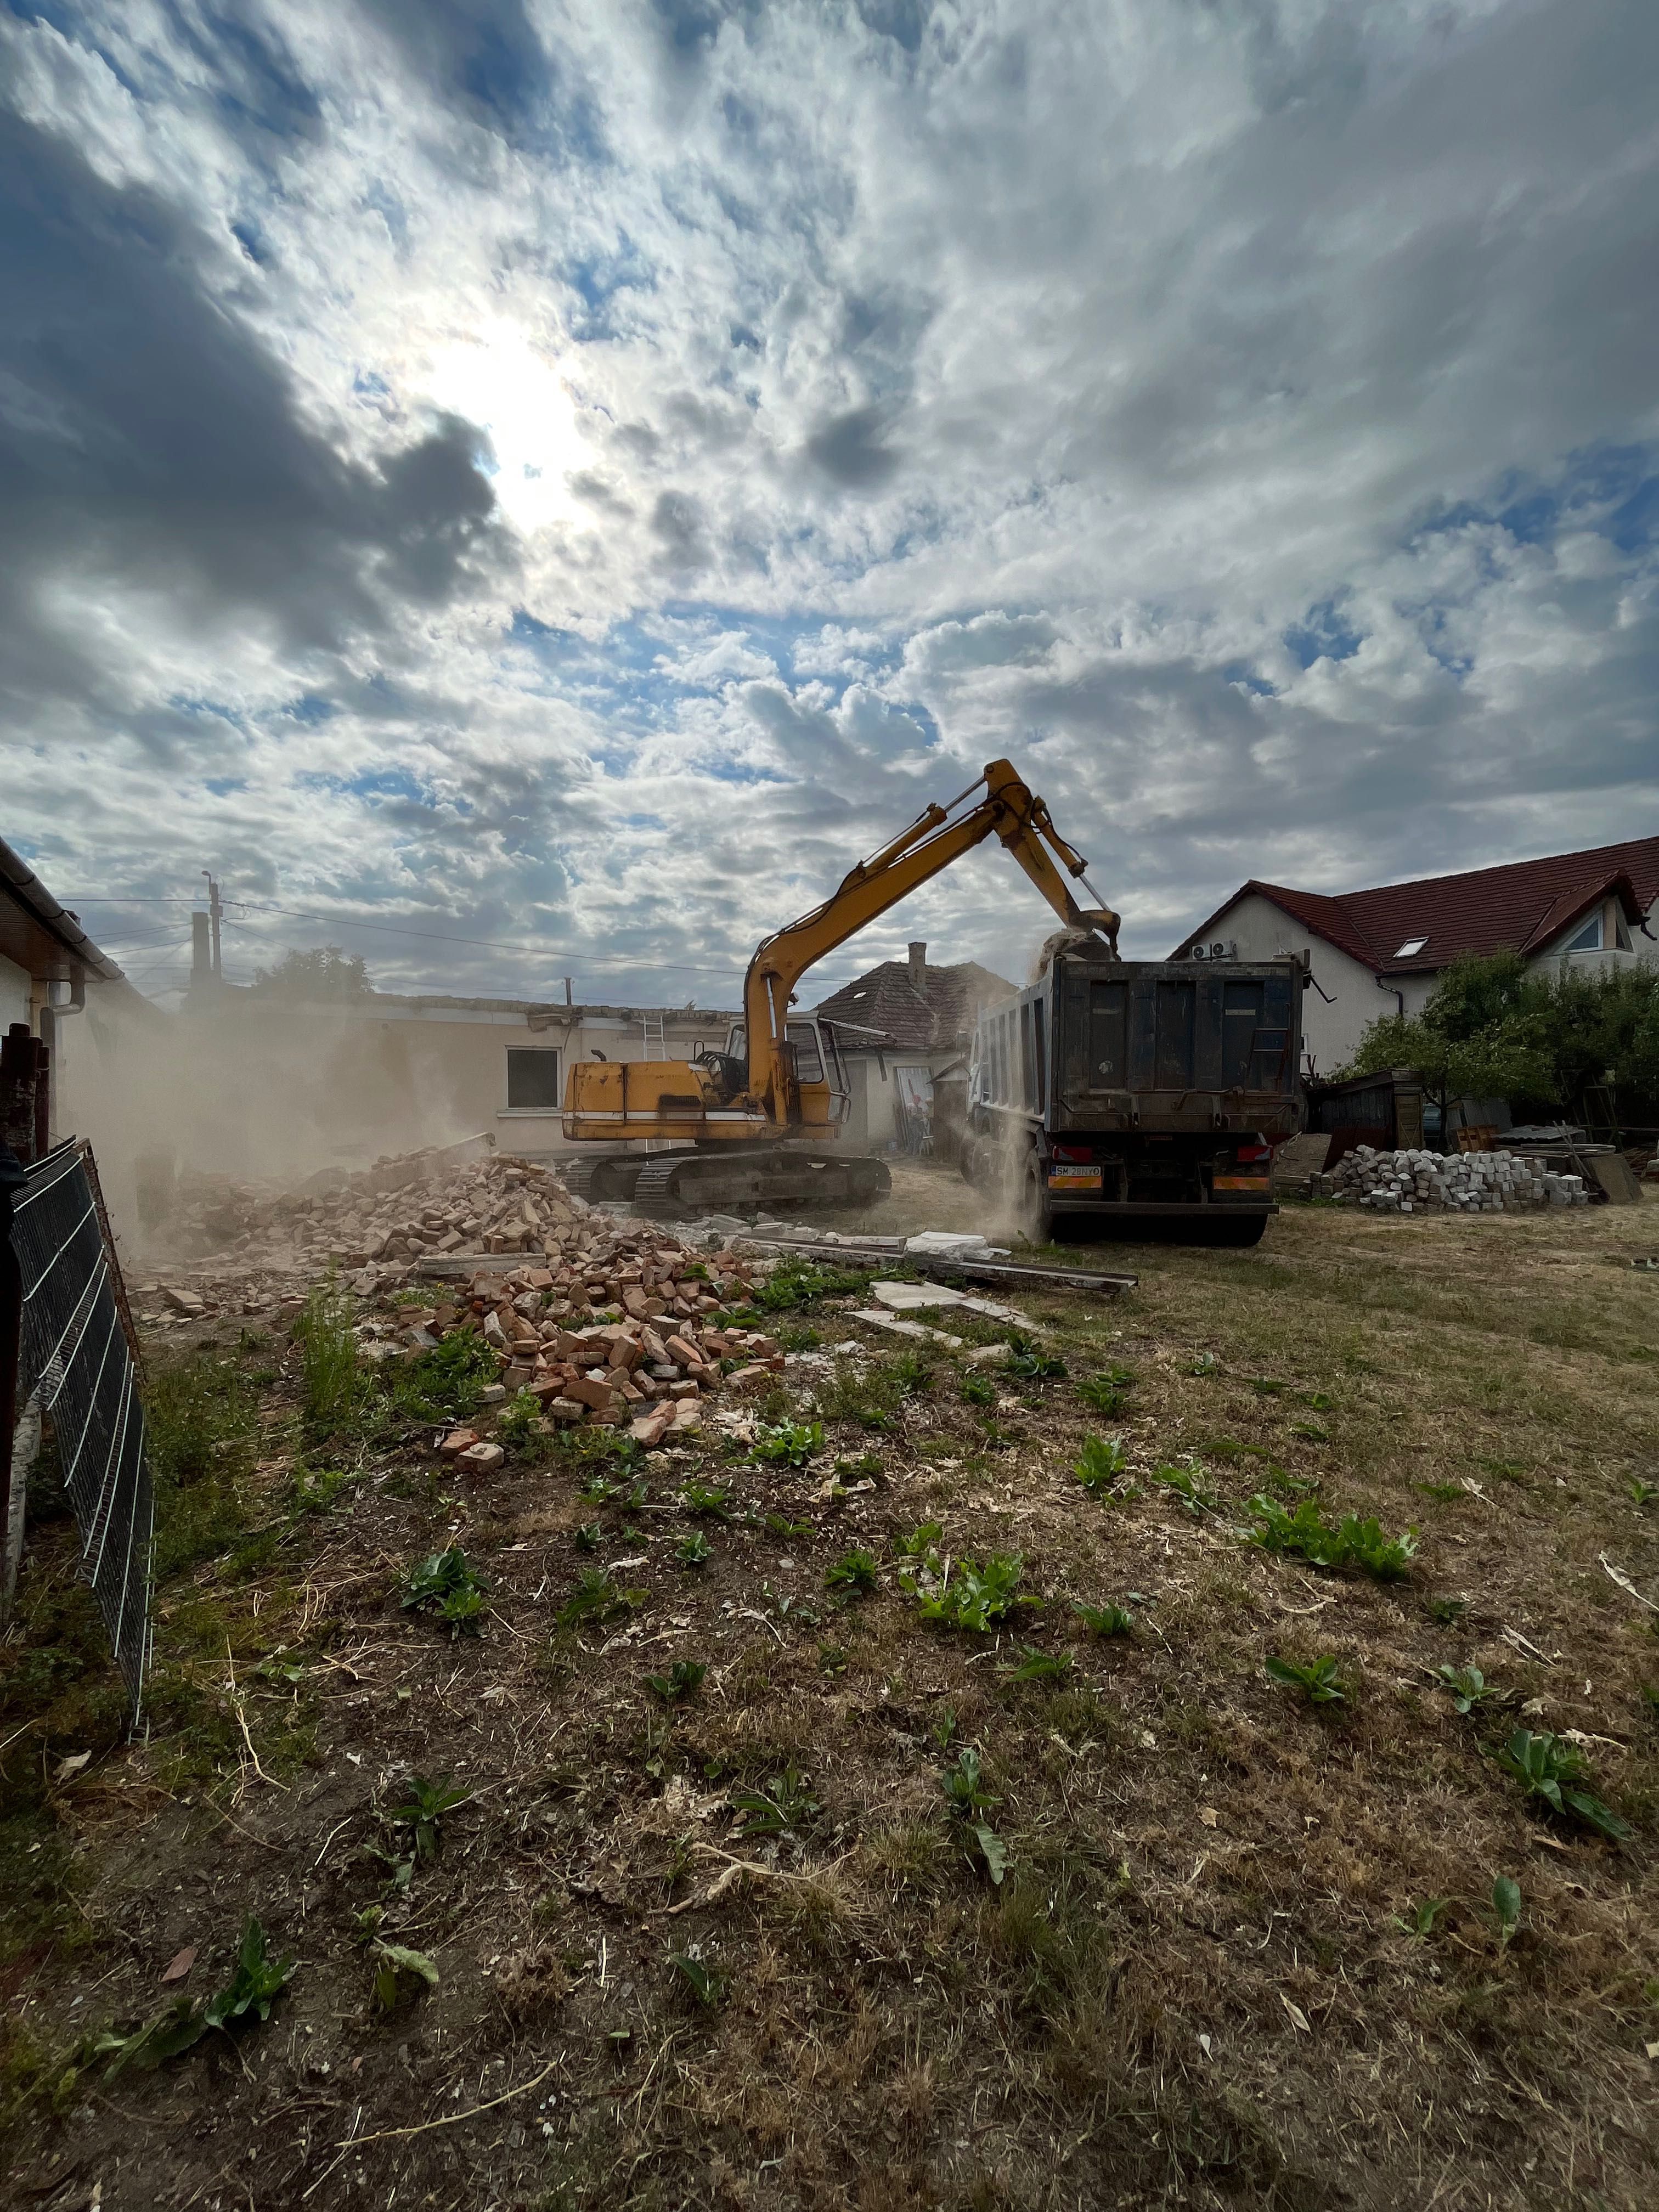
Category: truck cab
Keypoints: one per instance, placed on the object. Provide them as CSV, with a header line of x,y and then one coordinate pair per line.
x,y
1126,1094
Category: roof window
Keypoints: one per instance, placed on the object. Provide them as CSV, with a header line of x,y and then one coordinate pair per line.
x,y
1411,948
1589,938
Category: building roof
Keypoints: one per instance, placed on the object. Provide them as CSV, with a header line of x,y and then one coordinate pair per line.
x,y
40,934
884,1002
1520,907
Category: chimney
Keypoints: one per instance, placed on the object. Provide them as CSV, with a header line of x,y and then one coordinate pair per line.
x,y
919,970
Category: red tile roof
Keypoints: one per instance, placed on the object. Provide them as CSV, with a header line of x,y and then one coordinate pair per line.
x,y
1520,907
884,999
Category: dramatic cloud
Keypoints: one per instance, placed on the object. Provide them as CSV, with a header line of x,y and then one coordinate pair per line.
x,y
576,475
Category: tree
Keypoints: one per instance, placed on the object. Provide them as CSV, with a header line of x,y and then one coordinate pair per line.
x,y
326,973
1496,1028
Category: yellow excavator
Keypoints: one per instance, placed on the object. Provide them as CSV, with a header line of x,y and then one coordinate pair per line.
x,y
745,1121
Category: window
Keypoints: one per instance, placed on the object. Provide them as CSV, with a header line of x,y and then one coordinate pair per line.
x,y
809,1066
1411,948
1589,938
533,1080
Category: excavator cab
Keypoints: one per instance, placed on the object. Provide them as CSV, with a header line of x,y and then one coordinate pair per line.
x,y
825,1094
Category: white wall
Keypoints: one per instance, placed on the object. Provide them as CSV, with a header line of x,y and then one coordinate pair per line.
x,y
14,993
1330,1034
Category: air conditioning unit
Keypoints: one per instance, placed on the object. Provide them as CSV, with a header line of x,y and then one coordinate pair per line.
x,y
1197,953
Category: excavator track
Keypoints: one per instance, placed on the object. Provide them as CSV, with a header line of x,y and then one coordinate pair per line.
x,y
677,1185
612,1176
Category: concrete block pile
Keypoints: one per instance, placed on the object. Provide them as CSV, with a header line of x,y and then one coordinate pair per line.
x,y
1456,1183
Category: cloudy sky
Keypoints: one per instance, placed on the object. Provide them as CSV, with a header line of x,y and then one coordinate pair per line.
x,y
525,487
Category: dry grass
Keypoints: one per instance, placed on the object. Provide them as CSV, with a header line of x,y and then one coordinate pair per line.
x,y
1192,1987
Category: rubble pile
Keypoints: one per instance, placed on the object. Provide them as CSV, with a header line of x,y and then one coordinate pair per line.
x,y
1457,1182
391,1214
617,1325
597,1319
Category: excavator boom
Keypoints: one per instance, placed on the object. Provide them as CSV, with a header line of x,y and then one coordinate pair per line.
x,y
933,841
723,1103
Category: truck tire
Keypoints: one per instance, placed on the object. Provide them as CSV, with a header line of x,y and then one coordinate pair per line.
x,y
1035,1212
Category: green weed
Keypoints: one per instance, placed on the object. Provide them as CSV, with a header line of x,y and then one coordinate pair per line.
x,y
1469,1687
1101,1464
1549,1769
399,1973
1105,1619
791,1443
1038,1666
1352,1543
963,1786
443,1384
1320,1680
978,1390
695,1550
1031,1363
256,1981
445,1580
598,1597
427,1804
921,1541
701,1498
318,1490
1446,1612
971,1596
1419,1921
855,1573
333,1381
1506,1909
706,1985
783,1805
683,1679
1184,1481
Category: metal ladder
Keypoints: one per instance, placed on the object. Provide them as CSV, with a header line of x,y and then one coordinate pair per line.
x,y
656,1043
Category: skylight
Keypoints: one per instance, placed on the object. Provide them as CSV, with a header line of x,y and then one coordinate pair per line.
x,y
1413,944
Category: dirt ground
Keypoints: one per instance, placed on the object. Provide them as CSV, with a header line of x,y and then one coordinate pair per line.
x,y
881,1912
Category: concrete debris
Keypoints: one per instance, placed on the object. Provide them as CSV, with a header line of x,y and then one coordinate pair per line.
x,y
1457,1182
949,1245
877,1318
909,1297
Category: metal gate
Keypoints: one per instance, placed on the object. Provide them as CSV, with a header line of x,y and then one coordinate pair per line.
x,y
74,1359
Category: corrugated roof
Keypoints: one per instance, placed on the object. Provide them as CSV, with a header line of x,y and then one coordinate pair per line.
x,y
884,999
1520,906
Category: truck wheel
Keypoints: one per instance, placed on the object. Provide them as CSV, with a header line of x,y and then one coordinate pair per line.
x,y
1036,1215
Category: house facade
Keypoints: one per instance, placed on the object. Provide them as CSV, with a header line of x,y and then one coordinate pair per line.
x,y
1381,952
898,1026
69,995
284,1084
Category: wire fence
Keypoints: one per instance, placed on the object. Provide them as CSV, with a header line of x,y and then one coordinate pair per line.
x,y
75,1361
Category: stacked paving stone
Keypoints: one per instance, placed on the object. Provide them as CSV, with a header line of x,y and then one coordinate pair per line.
x,y
1456,1183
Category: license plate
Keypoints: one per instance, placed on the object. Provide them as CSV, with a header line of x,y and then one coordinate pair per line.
x,y
1074,1179
1258,1183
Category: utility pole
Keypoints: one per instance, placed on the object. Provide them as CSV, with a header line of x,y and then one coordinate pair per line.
x,y
216,913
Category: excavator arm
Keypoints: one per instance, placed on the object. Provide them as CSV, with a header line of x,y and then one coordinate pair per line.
x,y
937,837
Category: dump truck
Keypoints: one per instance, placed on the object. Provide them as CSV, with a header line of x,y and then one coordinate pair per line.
x,y
1111,1097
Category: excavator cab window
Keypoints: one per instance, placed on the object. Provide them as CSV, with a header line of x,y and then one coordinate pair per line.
x,y
809,1061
